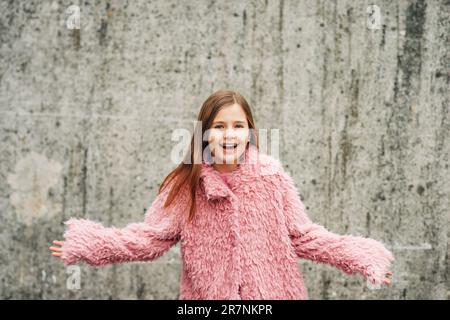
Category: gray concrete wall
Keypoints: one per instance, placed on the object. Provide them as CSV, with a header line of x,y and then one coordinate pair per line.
x,y
362,105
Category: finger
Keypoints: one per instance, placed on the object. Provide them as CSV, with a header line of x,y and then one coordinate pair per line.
x,y
58,243
56,254
56,249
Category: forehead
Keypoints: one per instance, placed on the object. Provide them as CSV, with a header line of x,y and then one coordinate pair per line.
x,y
231,113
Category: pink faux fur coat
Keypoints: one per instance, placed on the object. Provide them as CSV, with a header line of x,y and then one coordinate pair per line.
x,y
244,243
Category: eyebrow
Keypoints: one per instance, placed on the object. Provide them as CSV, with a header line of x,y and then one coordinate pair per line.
x,y
215,122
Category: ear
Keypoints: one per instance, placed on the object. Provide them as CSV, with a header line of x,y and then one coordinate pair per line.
x,y
251,138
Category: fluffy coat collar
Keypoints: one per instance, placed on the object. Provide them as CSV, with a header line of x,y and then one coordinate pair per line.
x,y
254,165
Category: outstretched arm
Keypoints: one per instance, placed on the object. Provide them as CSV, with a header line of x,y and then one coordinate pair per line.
x,y
351,254
91,242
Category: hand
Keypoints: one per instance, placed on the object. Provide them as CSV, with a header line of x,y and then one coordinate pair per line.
x,y
387,280
56,250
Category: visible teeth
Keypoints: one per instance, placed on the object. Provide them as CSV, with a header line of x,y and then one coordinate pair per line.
x,y
229,145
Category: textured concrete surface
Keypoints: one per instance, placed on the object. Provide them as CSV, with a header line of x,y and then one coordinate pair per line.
x,y
361,101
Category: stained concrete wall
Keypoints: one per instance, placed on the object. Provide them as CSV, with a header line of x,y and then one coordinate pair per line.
x,y
361,100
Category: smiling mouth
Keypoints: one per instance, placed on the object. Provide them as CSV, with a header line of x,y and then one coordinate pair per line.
x,y
229,146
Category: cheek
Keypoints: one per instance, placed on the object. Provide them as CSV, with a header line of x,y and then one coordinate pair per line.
x,y
242,135
214,137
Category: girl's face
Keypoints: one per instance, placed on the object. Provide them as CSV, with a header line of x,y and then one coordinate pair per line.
x,y
228,135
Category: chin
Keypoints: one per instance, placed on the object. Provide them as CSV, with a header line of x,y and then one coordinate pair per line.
x,y
228,159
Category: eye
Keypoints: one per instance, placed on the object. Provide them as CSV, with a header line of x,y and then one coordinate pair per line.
x,y
239,126
218,126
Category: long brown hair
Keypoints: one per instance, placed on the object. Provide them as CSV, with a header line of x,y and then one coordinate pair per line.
x,y
187,173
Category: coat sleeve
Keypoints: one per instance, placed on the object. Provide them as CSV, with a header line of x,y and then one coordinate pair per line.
x,y
351,254
89,241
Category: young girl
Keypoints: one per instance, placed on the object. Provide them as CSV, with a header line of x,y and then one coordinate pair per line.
x,y
238,217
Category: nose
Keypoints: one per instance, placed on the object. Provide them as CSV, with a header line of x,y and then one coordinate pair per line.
x,y
229,133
